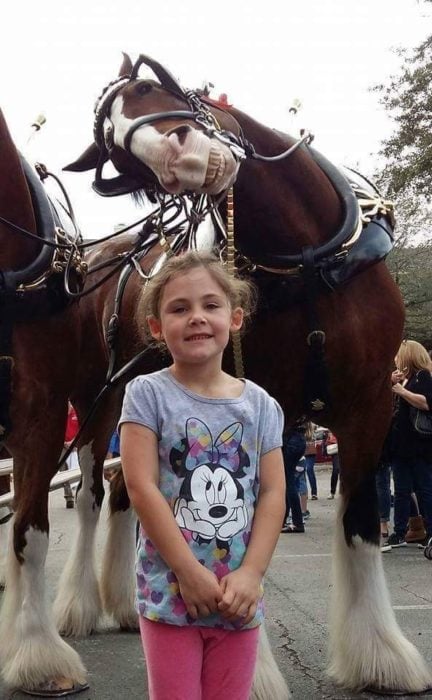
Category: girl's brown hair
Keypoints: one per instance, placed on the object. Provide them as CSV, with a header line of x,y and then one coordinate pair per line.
x,y
240,292
412,356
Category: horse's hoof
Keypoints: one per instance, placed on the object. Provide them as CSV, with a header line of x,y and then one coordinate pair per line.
x,y
394,693
57,688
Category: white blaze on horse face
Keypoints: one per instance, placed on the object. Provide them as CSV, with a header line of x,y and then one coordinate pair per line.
x,y
194,162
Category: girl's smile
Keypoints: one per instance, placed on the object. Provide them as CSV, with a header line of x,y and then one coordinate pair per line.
x,y
198,337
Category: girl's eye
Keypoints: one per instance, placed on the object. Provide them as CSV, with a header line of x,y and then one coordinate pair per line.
x,y
178,309
212,305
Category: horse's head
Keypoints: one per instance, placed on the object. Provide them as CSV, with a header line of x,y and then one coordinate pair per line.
x,y
156,133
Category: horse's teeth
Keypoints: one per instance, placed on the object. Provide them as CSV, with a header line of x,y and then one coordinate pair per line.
x,y
214,162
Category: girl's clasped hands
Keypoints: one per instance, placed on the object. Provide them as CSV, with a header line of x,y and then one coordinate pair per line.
x,y
235,596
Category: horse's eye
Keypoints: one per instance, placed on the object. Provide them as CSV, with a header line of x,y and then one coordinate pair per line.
x,y
142,88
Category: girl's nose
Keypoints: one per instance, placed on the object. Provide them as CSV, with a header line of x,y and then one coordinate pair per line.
x,y
196,317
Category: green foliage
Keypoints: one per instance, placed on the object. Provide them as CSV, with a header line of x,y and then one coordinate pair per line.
x,y
407,179
410,263
408,99
410,267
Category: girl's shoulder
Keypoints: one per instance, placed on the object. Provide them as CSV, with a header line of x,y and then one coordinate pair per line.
x,y
257,390
258,395
143,380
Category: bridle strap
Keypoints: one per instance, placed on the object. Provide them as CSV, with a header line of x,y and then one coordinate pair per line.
x,y
150,118
200,113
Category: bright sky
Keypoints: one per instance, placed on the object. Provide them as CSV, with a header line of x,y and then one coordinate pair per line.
x,y
57,56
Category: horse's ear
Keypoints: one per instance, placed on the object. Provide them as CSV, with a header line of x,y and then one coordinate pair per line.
x,y
126,66
87,160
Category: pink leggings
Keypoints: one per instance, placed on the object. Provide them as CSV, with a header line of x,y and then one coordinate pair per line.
x,y
198,663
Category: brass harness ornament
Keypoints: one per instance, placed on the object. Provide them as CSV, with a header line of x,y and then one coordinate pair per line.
x,y
231,267
59,263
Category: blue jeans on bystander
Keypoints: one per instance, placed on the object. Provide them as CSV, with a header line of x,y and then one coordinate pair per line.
x,y
293,447
412,475
310,470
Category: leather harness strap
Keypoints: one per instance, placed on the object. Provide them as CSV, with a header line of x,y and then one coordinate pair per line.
x,y
316,382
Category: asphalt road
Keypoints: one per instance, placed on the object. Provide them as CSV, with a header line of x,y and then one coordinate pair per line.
x,y
297,594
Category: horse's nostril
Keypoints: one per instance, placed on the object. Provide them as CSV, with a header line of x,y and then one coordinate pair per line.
x,y
181,132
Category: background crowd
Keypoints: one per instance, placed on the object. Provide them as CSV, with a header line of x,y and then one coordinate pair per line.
x,y
404,474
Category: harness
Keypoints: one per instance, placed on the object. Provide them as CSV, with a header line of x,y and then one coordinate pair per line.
x,y
37,290
363,238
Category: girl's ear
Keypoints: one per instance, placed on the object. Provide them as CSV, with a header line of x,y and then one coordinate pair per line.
x,y
155,327
236,319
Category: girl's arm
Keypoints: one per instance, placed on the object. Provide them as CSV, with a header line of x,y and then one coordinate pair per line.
x,y
242,588
199,587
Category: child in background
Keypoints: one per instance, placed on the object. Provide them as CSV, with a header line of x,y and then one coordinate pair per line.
x,y
203,466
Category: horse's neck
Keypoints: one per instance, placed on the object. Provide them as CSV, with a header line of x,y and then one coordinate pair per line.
x,y
15,206
291,202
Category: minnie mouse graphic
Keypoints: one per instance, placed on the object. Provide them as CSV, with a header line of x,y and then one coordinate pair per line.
x,y
211,499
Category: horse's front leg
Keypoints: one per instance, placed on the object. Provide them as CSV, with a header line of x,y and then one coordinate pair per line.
x,y
31,650
5,516
78,605
118,582
367,647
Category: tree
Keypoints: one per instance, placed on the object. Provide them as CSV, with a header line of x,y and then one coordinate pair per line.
x,y
406,178
410,264
408,99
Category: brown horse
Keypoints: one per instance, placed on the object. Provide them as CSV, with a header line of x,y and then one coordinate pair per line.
x,y
39,344
323,340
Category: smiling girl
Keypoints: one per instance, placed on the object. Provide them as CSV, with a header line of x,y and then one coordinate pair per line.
x,y
203,467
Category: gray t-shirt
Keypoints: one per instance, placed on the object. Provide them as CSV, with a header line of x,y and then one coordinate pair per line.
x,y
209,456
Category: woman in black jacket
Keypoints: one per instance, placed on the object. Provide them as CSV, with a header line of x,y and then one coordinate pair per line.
x,y
411,452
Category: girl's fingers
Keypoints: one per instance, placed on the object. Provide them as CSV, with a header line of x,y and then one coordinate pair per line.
x,y
242,612
251,614
203,610
232,610
227,600
193,611
223,584
214,605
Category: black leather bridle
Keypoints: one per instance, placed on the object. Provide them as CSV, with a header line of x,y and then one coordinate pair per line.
x,y
199,112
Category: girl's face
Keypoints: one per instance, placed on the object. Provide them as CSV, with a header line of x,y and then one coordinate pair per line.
x,y
195,318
